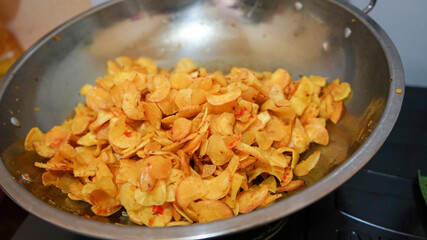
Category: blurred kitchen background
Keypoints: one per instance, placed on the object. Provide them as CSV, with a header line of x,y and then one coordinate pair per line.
x,y
405,21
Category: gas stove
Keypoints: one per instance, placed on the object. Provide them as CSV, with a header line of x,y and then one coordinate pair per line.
x,y
382,201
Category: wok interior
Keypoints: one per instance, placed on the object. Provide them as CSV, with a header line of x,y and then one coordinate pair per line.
x,y
217,34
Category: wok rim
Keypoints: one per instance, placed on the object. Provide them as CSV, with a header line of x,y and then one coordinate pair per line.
x,y
263,216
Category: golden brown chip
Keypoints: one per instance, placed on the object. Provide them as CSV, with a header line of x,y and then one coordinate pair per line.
x,y
190,189
252,198
121,135
211,210
153,114
293,185
180,129
341,92
223,98
185,65
161,87
217,150
302,96
280,77
180,80
157,196
34,135
131,103
305,166
98,99
218,186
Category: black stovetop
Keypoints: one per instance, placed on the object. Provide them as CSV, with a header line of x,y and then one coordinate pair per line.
x,y
382,201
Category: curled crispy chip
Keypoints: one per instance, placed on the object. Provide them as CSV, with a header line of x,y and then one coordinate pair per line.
x,y
98,99
337,110
168,105
180,80
180,129
157,196
218,186
217,150
185,65
127,197
153,114
161,87
131,103
190,189
299,139
148,64
208,170
122,135
277,96
293,185
317,80
316,131
252,198
341,92
223,98
280,77
302,96
211,210
305,166
34,135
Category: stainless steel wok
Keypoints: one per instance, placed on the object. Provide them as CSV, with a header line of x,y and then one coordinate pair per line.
x,y
329,38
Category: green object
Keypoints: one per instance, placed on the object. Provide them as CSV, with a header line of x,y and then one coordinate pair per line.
x,y
423,185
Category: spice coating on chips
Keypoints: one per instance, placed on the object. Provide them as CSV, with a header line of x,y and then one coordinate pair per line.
x,y
188,146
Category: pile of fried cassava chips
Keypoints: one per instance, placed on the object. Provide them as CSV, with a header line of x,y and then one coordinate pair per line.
x,y
187,146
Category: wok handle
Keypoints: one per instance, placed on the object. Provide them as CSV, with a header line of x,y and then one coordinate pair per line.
x,y
370,6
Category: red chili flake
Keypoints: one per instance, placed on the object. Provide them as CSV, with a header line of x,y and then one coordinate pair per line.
x,y
158,209
284,177
150,222
79,211
86,216
36,79
234,142
242,111
251,116
128,134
